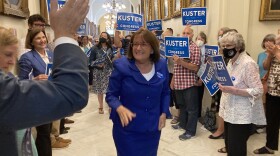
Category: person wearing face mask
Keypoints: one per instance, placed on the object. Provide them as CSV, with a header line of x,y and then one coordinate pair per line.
x,y
241,104
101,58
201,40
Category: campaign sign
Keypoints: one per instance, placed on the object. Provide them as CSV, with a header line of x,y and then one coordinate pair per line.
x,y
211,50
82,29
194,16
209,79
177,46
219,66
122,51
59,2
154,25
215,73
48,70
129,21
162,49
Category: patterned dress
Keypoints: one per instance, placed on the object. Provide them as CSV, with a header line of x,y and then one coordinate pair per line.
x,y
101,75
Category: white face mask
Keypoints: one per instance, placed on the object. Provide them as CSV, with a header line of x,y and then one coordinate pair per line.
x,y
199,43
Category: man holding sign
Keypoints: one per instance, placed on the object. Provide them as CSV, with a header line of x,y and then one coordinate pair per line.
x,y
183,82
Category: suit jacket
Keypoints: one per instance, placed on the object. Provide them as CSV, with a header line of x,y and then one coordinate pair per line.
x,y
28,103
32,61
148,99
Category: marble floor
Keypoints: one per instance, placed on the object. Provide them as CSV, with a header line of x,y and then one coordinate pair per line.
x,y
91,135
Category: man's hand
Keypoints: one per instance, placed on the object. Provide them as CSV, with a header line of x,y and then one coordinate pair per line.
x,y
66,21
176,59
125,115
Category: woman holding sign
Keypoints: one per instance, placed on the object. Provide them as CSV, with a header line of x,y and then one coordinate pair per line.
x,y
101,57
32,65
139,95
241,104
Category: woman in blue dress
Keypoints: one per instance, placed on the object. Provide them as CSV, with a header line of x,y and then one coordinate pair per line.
x,y
138,94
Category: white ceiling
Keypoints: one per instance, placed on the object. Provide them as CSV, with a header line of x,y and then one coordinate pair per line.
x,y
96,11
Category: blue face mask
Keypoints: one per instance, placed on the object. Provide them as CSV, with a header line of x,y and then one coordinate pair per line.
x,y
229,53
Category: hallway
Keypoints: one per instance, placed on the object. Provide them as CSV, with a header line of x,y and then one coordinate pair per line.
x,y
91,136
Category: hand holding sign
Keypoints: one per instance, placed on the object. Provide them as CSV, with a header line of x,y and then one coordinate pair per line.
x,y
228,89
41,77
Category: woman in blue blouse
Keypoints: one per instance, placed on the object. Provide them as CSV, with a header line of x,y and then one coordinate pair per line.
x,y
138,93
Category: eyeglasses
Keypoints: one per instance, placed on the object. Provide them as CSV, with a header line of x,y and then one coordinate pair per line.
x,y
39,25
141,44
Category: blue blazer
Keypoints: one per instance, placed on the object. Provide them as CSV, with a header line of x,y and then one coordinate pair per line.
x,y
28,103
148,99
32,61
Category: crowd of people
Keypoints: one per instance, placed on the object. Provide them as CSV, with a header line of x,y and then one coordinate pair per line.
x,y
116,67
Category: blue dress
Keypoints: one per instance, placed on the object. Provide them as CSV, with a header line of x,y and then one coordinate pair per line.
x,y
147,99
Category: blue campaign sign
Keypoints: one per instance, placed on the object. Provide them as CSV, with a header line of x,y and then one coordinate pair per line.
x,y
82,29
154,25
129,21
211,50
177,46
48,70
194,16
221,71
162,48
209,80
122,51
59,2
215,73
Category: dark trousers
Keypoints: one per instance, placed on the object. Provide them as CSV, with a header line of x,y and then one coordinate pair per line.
x,y
172,94
273,119
200,98
188,104
236,136
90,76
43,140
62,125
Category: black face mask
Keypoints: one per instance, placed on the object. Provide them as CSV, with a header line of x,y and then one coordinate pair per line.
x,y
102,40
229,53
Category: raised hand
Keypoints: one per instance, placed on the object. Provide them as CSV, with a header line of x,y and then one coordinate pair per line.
x,y
66,21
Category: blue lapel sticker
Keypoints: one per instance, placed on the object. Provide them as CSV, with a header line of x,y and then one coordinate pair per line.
x,y
159,75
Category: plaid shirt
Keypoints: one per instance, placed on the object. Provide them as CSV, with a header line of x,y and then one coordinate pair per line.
x,y
184,77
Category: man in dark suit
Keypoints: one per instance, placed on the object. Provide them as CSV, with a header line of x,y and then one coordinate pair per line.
x,y
64,95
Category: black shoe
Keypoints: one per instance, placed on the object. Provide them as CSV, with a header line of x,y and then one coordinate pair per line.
x,y
217,137
67,128
63,131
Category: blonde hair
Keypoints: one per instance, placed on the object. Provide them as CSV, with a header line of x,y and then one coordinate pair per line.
x,y
7,37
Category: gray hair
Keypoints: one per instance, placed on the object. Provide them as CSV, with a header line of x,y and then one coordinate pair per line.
x,y
234,38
